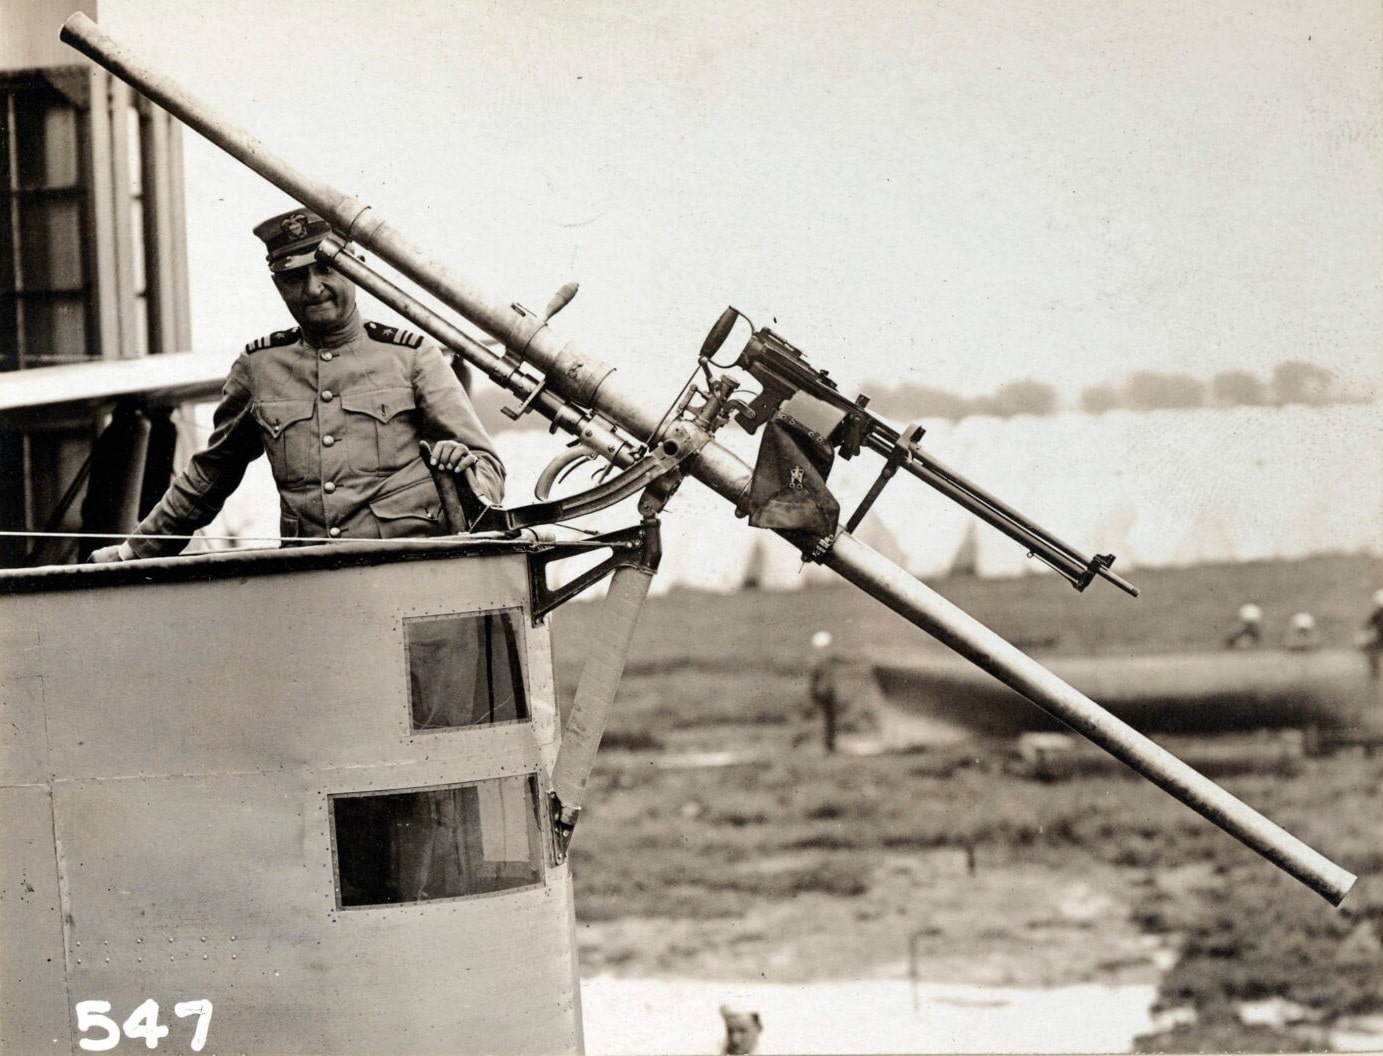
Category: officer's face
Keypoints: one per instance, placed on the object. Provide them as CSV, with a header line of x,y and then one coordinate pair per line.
x,y
321,300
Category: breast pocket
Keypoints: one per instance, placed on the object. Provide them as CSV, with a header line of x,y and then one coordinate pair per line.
x,y
288,440
380,432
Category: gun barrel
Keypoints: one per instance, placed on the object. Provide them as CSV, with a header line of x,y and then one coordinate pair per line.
x,y
591,384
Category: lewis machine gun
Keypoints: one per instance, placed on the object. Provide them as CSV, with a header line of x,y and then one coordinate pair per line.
x,y
805,421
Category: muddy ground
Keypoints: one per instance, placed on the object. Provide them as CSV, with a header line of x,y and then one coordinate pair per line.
x,y
924,917
721,843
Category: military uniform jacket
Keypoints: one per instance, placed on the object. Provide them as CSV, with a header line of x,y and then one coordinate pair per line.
x,y
341,427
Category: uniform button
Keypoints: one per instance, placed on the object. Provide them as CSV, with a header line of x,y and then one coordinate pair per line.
x,y
329,487
328,440
326,395
326,357
333,532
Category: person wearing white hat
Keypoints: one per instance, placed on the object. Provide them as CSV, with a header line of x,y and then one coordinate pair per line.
x,y
823,690
1301,632
1248,632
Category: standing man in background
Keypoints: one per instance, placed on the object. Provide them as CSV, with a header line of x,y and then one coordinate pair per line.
x,y
339,405
822,688
1371,638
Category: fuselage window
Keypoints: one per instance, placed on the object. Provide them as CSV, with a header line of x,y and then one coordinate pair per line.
x,y
464,671
426,844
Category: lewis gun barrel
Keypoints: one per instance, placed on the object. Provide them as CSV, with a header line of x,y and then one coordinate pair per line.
x,y
589,384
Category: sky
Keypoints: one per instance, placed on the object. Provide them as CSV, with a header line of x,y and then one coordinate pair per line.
x,y
950,194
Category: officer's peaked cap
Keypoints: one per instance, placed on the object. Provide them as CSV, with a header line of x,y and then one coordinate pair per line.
x,y
292,238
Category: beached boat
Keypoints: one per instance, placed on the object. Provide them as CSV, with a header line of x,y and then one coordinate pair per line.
x,y
939,699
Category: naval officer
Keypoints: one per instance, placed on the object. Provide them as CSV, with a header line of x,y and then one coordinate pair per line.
x,y
339,406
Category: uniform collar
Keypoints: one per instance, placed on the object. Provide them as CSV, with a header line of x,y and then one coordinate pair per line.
x,y
350,331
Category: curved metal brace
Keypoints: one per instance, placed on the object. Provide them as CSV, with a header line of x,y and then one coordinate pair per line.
x,y
652,467
558,467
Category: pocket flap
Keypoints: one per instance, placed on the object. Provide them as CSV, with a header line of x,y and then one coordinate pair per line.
x,y
277,415
379,404
418,501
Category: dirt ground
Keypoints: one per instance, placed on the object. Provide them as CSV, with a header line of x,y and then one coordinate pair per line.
x,y
1040,926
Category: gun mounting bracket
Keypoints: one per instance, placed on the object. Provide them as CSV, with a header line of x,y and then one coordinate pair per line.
x,y
901,453
638,547
514,414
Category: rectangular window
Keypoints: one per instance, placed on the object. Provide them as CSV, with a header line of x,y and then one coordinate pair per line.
x,y
47,304
426,844
464,671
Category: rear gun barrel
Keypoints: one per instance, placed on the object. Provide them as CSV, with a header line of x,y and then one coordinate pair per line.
x,y
591,384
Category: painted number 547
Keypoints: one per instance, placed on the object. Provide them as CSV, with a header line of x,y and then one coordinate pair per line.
x,y
143,1023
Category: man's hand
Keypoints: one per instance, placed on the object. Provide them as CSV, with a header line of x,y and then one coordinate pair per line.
x,y
109,554
452,455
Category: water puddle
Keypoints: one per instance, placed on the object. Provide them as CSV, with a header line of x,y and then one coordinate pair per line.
x,y
676,1016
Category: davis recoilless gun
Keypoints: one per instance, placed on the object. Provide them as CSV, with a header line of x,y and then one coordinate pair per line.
x,y
588,399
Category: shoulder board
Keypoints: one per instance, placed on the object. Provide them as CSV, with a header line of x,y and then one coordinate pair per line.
x,y
278,337
393,335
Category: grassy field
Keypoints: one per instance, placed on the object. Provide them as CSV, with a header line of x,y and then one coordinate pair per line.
x,y
795,836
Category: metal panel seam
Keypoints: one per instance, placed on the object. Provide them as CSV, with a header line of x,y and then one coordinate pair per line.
x,y
43,709
64,909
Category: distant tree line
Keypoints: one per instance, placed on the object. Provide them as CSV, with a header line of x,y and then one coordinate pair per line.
x,y
1291,382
